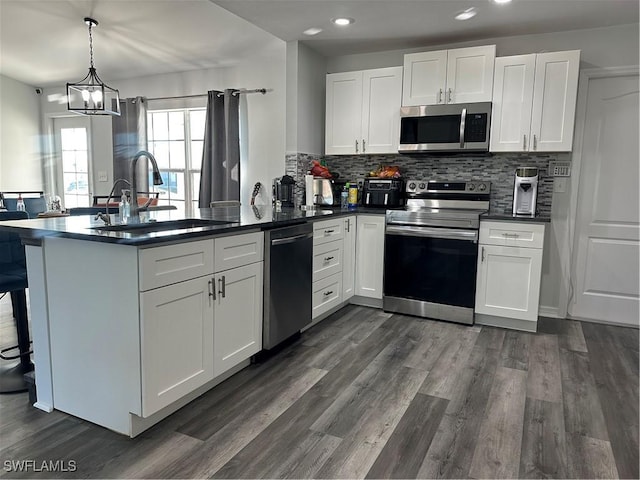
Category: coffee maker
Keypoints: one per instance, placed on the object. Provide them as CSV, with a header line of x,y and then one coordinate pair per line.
x,y
284,190
525,191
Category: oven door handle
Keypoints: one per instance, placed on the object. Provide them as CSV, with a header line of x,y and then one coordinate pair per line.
x,y
429,232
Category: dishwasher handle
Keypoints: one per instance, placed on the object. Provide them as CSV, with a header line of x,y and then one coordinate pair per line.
x,y
295,238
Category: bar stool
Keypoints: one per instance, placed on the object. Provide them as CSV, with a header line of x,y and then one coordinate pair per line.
x,y
13,279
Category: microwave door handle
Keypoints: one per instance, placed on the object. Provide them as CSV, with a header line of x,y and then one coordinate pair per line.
x,y
463,120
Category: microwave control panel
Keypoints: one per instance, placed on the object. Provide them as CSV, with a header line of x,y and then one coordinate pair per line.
x,y
475,129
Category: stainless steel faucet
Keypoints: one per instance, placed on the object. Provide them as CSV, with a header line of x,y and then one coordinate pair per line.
x,y
157,180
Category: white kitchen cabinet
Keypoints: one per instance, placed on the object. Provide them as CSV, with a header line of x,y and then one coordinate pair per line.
x,y
328,251
369,255
508,278
237,331
326,294
460,75
176,334
349,258
534,102
327,259
363,111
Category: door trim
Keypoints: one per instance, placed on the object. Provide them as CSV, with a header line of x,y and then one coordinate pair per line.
x,y
568,251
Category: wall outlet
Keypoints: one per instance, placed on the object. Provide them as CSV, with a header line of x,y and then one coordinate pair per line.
x,y
102,176
560,185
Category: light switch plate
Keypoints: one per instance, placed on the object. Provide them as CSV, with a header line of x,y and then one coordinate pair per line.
x,y
559,169
103,176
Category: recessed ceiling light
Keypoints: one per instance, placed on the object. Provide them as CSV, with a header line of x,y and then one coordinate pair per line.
x,y
467,14
312,31
343,21
501,1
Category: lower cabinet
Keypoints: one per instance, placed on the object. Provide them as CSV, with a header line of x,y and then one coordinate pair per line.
x,y
177,342
237,330
508,280
370,256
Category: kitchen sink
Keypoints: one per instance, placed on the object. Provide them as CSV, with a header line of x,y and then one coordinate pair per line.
x,y
144,228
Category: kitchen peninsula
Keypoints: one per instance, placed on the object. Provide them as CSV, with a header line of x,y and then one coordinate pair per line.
x,y
123,319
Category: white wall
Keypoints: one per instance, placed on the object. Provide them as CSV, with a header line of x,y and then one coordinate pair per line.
x,y
20,160
601,48
306,86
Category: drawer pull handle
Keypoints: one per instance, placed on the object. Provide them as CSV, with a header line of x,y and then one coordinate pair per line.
x,y
328,232
222,285
482,255
212,291
510,235
326,294
327,259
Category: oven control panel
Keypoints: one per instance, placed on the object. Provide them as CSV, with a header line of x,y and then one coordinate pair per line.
x,y
471,187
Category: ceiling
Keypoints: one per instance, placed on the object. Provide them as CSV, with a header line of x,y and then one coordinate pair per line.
x,y
45,42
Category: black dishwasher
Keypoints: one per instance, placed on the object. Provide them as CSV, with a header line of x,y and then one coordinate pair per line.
x,y
288,271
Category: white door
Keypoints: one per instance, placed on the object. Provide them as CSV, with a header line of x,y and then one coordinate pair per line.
x,y
238,316
176,342
349,258
73,161
606,252
554,101
470,74
381,97
370,255
508,282
344,113
425,78
512,100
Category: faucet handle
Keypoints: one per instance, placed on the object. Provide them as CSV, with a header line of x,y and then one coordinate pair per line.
x,y
104,217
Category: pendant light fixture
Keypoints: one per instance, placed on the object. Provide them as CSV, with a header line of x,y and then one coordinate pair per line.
x,y
91,96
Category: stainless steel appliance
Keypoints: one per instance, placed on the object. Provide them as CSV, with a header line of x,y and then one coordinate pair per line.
x,y
383,192
326,191
431,250
288,271
284,190
460,127
525,191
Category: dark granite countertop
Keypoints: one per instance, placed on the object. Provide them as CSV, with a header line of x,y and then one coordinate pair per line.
x,y
508,216
244,218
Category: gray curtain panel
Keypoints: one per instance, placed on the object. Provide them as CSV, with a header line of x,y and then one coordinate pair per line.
x,y
129,137
220,175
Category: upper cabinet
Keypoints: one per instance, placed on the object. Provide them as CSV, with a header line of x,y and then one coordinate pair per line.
x,y
534,102
363,111
461,75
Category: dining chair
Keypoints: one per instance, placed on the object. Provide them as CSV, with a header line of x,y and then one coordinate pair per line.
x,y
13,280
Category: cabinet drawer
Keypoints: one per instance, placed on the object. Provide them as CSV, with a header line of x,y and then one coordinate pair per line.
x,y
327,231
327,259
238,250
160,266
327,293
513,234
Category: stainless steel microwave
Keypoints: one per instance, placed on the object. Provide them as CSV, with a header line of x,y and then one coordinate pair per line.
x,y
461,127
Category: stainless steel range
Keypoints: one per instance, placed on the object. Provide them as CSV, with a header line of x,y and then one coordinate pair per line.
x,y
431,250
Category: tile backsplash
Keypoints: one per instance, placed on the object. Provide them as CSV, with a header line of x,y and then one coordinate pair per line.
x,y
497,168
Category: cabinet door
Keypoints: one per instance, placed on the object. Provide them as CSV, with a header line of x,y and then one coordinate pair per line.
x,y
349,258
238,316
470,74
370,255
554,101
425,78
344,113
508,282
381,98
512,100
176,342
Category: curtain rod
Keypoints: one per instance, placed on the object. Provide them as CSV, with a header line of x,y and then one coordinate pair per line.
x,y
263,91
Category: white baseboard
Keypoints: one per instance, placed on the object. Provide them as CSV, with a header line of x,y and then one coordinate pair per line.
x,y
43,406
366,301
550,312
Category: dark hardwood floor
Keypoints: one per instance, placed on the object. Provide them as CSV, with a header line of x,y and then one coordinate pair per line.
x,y
370,394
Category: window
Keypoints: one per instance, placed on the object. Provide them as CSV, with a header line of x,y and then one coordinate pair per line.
x,y
73,169
176,137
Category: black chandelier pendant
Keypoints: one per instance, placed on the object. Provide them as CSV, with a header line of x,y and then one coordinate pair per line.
x,y
91,96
